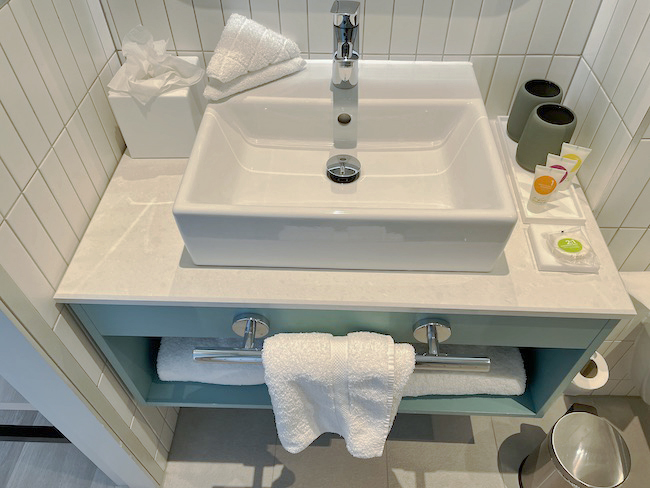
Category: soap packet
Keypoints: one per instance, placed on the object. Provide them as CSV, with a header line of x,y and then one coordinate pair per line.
x,y
571,246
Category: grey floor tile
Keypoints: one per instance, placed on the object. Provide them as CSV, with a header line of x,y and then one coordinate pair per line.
x,y
100,480
9,454
18,417
328,464
449,452
51,465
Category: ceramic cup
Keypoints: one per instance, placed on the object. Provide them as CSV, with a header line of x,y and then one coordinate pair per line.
x,y
530,94
548,126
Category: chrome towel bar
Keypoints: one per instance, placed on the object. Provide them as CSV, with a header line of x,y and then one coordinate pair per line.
x,y
430,331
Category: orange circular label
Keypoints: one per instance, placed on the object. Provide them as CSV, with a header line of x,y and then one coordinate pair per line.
x,y
545,185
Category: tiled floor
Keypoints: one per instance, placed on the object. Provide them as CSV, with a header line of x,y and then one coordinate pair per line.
x,y
239,449
35,465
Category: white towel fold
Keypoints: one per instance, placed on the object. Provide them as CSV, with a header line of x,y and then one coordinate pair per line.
x,y
350,385
175,363
507,375
247,46
216,90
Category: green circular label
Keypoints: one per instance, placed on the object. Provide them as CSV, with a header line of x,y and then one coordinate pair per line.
x,y
569,245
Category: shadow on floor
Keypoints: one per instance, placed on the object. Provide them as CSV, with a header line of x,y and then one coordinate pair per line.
x,y
515,448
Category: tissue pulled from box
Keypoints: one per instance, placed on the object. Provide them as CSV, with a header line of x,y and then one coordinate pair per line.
x,y
149,70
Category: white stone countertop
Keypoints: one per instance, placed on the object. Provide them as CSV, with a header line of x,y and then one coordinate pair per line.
x,y
132,253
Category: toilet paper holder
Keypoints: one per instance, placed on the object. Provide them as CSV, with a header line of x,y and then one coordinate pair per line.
x,y
431,331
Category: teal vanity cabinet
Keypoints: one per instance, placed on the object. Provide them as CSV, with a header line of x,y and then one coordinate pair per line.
x,y
131,282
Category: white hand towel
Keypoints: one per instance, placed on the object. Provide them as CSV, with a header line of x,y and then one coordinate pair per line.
x,y
350,385
175,363
216,90
247,46
507,375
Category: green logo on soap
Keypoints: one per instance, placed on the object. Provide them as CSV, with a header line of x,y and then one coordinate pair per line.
x,y
569,245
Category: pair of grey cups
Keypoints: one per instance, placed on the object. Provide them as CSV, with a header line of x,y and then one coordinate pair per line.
x,y
539,123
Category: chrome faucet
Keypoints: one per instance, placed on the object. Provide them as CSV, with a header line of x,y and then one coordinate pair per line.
x,y
345,70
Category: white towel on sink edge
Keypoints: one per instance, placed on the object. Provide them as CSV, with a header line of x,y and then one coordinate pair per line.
x,y
246,46
351,386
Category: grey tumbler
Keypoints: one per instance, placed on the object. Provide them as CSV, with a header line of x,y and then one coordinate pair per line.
x,y
548,126
529,95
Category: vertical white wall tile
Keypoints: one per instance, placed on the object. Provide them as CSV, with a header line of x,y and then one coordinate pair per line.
x,y
428,57
622,244
639,258
627,188
59,43
14,153
11,40
293,20
144,433
209,18
434,26
608,233
76,40
78,344
154,19
20,111
266,12
112,27
35,240
90,33
562,70
582,106
86,150
634,72
64,193
22,269
39,47
577,26
113,391
613,34
626,46
519,28
237,7
377,26
639,216
574,90
406,26
533,67
9,191
484,69
598,30
639,104
608,167
101,24
107,119
51,216
603,136
184,28
76,171
491,24
97,135
504,83
591,122
126,16
462,26
548,27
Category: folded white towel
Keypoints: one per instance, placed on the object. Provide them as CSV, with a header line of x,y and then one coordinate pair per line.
x,y
217,90
175,363
350,385
247,46
506,377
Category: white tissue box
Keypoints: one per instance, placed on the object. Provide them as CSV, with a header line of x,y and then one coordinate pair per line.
x,y
164,128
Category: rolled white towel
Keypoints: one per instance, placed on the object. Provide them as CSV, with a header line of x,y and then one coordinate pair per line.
x,y
507,375
175,363
246,46
216,90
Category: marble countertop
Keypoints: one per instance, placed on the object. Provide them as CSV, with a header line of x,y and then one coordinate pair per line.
x,y
132,253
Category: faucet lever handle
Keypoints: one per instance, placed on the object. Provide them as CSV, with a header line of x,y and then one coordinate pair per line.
x,y
345,10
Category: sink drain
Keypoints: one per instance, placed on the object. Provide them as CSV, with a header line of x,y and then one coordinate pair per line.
x,y
343,168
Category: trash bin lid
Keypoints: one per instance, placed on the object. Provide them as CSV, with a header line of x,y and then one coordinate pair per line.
x,y
589,451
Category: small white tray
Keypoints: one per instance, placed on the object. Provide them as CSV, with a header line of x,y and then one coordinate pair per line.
x,y
563,209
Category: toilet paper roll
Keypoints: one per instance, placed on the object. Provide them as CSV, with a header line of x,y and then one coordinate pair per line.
x,y
594,375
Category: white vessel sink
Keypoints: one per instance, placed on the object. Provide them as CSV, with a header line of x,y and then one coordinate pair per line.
x,y
431,195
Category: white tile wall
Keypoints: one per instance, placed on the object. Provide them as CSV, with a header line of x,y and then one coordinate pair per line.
x,y
554,30
59,146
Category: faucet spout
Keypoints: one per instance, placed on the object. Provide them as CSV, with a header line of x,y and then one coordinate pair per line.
x,y
345,69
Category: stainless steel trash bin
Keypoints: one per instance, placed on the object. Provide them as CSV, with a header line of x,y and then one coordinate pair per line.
x,y
581,450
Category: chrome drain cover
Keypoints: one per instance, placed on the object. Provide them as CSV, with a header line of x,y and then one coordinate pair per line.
x,y
343,168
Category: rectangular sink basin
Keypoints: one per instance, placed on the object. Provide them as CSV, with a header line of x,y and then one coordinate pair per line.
x,y
431,192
